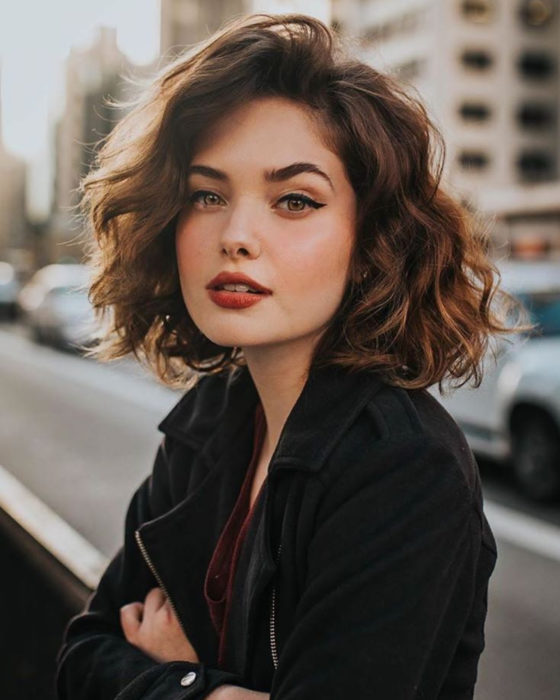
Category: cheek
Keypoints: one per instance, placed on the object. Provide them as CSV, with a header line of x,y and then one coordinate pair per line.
x,y
188,251
319,266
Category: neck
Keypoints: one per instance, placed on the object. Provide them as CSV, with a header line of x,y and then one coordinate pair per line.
x,y
279,374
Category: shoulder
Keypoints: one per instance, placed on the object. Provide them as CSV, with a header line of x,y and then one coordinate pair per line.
x,y
399,414
403,441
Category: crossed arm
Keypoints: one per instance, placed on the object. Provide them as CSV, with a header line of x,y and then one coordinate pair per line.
x,y
127,643
153,628
400,583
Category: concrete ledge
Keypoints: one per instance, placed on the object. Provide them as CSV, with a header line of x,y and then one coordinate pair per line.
x,y
48,573
49,530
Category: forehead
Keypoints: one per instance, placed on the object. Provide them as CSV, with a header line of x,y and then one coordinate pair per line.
x,y
271,131
264,118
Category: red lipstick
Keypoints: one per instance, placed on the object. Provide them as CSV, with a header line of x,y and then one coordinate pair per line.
x,y
221,290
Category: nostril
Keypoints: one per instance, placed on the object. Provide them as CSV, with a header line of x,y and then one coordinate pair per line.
x,y
240,251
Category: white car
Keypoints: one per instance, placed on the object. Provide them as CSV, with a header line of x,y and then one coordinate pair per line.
x,y
514,415
55,307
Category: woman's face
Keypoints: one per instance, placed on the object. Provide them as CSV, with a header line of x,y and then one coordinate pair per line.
x,y
249,210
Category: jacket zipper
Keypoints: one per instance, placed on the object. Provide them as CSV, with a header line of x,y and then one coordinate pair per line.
x,y
157,577
273,647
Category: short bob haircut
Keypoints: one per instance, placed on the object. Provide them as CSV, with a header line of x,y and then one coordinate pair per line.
x,y
421,303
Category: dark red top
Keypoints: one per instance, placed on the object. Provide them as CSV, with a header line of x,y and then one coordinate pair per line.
x,y
218,583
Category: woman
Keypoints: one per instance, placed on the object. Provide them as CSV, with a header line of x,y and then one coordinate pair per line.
x,y
268,216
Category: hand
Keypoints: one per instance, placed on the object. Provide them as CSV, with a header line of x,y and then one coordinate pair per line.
x,y
153,627
234,692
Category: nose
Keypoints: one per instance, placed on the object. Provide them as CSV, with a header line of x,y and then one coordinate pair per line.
x,y
239,238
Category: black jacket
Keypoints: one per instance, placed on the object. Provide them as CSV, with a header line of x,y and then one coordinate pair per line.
x,y
364,573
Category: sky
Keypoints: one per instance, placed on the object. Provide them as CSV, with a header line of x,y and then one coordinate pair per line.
x,y
35,38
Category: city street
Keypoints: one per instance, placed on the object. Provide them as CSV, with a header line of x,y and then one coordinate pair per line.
x,y
82,436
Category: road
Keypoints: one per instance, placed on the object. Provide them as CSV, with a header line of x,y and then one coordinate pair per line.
x,y
82,436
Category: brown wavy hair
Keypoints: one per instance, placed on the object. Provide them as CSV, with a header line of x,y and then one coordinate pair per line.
x,y
423,297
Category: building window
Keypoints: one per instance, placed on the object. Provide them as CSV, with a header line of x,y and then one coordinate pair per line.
x,y
536,13
480,11
532,115
473,160
536,65
475,111
477,59
535,165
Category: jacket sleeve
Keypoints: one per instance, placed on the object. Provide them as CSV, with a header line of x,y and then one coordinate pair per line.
x,y
95,661
390,580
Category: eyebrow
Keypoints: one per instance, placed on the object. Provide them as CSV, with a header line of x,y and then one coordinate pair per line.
x,y
274,175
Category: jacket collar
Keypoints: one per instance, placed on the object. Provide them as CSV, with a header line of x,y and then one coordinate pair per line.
x,y
219,405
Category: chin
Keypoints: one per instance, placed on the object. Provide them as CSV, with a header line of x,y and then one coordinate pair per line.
x,y
229,338
239,341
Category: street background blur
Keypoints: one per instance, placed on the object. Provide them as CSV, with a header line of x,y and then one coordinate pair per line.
x,y
80,436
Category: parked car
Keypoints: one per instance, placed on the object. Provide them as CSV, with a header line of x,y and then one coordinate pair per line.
x,y
514,415
9,288
55,307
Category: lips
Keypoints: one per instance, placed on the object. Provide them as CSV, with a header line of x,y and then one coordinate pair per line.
x,y
236,283
235,300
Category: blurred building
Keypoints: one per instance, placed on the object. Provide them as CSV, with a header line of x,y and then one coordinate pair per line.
x,y
13,226
487,70
93,77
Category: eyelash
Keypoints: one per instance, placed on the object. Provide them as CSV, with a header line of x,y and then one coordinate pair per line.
x,y
292,195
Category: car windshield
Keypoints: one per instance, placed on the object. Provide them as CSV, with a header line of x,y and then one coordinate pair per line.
x,y
544,308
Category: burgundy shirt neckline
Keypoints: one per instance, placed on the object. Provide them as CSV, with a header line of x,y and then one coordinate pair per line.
x,y
218,583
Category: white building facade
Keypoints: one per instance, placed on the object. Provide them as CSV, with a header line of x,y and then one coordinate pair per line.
x,y
487,70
